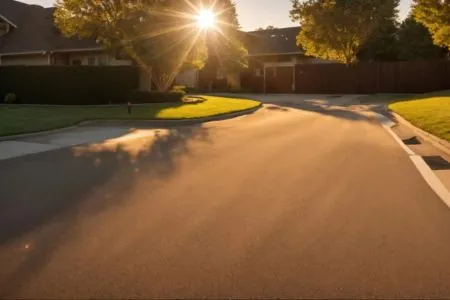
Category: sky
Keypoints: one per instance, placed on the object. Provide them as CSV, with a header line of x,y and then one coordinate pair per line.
x,y
258,13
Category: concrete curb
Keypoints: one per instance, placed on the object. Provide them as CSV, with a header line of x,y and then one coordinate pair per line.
x,y
427,173
434,140
151,123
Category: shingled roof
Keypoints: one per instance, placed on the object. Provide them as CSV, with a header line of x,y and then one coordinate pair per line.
x,y
273,41
35,31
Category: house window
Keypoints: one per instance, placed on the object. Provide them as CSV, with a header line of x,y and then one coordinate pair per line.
x,y
76,62
258,72
91,60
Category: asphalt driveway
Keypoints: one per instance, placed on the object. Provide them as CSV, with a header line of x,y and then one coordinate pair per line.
x,y
299,200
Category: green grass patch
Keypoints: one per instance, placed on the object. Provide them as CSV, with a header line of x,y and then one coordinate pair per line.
x,y
430,112
16,119
383,98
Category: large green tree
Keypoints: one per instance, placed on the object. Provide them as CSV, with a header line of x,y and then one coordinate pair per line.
x,y
434,15
416,43
337,29
382,43
225,41
161,35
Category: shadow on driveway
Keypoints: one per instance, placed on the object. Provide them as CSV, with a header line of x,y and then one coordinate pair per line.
x,y
327,108
49,188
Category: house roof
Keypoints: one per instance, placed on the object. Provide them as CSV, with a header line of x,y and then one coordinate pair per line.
x,y
35,31
273,41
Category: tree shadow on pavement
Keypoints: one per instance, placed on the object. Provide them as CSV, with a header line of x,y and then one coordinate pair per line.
x,y
42,195
343,111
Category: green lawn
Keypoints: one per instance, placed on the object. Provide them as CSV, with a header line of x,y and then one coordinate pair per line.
x,y
382,98
16,119
430,112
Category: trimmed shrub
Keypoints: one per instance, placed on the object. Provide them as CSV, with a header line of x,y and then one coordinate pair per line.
x,y
10,98
65,85
179,88
143,97
184,89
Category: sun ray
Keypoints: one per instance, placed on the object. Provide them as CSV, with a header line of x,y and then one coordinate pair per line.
x,y
164,31
173,13
187,36
217,53
194,8
183,58
227,24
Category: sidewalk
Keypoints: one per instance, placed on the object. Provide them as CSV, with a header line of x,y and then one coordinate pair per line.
x,y
61,139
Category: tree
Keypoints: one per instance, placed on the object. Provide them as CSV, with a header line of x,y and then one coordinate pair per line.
x,y
415,42
336,29
161,35
225,42
435,16
382,43
270,27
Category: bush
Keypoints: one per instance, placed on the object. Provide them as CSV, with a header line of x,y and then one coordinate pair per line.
x,y
184,89
179,88
193,100
10,98
142,97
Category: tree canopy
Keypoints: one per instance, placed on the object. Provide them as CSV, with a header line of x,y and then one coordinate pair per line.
x,y
415,42
162,34
270,27
382,43
434,15
337,29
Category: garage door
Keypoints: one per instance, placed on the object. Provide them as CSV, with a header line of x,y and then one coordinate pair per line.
x,y
279,80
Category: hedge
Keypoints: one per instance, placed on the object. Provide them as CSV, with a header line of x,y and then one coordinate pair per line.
x,y
140,97
68,84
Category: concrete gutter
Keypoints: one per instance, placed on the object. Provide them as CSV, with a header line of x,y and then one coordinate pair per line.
x,y
429,176
432,139
143,123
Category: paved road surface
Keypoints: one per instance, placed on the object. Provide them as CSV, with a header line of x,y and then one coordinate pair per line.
x,y
286,203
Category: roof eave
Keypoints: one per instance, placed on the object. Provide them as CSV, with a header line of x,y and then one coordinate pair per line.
x,y
44,52
274,54
8,21
77,50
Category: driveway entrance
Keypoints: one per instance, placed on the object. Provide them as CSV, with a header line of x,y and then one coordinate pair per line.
x,y
279,79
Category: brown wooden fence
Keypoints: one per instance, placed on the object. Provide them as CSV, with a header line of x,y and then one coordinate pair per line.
x,y
364,78
367,78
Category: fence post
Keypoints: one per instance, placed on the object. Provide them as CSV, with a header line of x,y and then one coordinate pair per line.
x,y
378,77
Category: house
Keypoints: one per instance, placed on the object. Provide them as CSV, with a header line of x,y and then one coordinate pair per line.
x,y
272,58
28,36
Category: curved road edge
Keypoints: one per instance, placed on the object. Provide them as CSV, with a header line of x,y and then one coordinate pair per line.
x,y
165,123
427,173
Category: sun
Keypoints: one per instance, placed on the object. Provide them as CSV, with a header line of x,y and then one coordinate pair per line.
x,y
206,19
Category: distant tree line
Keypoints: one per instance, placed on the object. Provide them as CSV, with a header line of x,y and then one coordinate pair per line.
x,y
349,31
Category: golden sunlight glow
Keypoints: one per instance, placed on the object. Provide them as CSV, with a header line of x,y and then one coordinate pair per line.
x,y
206,19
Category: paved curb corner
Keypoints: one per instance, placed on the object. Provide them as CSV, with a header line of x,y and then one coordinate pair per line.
x,y
169,123
428,175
